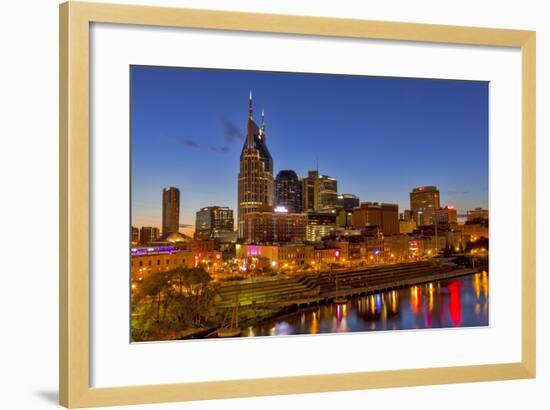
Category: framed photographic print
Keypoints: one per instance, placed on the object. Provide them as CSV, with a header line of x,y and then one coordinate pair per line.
x,y
269,204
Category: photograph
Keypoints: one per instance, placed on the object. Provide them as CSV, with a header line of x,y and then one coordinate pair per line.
x,y
275,204
268,203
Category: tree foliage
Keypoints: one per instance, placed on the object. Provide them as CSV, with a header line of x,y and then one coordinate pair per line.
x,y
482,242
165,303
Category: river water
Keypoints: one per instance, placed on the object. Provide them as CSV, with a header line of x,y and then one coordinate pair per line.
x,y
459,302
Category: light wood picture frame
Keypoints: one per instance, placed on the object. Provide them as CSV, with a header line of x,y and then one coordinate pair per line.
x,y
74,284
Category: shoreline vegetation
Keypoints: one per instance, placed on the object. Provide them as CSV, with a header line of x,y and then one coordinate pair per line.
x,y
185,303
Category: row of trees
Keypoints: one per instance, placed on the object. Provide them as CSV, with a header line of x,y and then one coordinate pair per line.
x,y
166,303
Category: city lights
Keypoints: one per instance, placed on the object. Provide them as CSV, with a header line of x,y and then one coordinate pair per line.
x,y
281,246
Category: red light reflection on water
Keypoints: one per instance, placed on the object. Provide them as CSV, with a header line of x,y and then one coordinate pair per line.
x,y
454,302
416,299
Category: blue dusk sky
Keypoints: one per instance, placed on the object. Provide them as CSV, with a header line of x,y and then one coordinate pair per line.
x,y
379,137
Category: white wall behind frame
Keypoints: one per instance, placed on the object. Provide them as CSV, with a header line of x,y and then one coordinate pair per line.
x,y
28,137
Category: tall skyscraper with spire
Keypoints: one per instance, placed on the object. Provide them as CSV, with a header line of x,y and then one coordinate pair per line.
x,y
256,186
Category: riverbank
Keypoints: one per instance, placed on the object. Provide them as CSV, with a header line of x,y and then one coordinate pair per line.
x,y
352,284
244,322
325,286
397,282
461,301
358,293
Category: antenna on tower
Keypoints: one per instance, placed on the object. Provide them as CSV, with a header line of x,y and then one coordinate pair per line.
x,y
250,105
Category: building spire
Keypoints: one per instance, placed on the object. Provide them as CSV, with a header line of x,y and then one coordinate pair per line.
x,y
263,120
250,105
250,127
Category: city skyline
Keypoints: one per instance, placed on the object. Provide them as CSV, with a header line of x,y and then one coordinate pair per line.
x,y
385,147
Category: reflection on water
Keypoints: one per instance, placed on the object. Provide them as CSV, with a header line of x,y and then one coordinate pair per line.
x,y
450,303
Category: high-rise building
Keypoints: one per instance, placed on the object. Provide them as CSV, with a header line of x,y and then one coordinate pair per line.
x,y
406,226
477,214
310,191
344,210
320,225
476,229
348,201
328,192
288,191
135,235
384,216
170,210
344,219
268,226
148,234
255,180
446,215
211,221
406,215
424,201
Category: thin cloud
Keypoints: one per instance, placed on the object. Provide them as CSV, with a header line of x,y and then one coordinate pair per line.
x,y
188,143
220,150
457,192
232,132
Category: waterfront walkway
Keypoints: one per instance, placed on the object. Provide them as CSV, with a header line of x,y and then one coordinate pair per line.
x,y
304,290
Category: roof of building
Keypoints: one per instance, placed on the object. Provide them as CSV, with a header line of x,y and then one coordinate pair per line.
x,y
287,173
175,237
259,144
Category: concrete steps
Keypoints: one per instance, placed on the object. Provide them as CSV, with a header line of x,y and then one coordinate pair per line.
x,y
320,286
267,291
